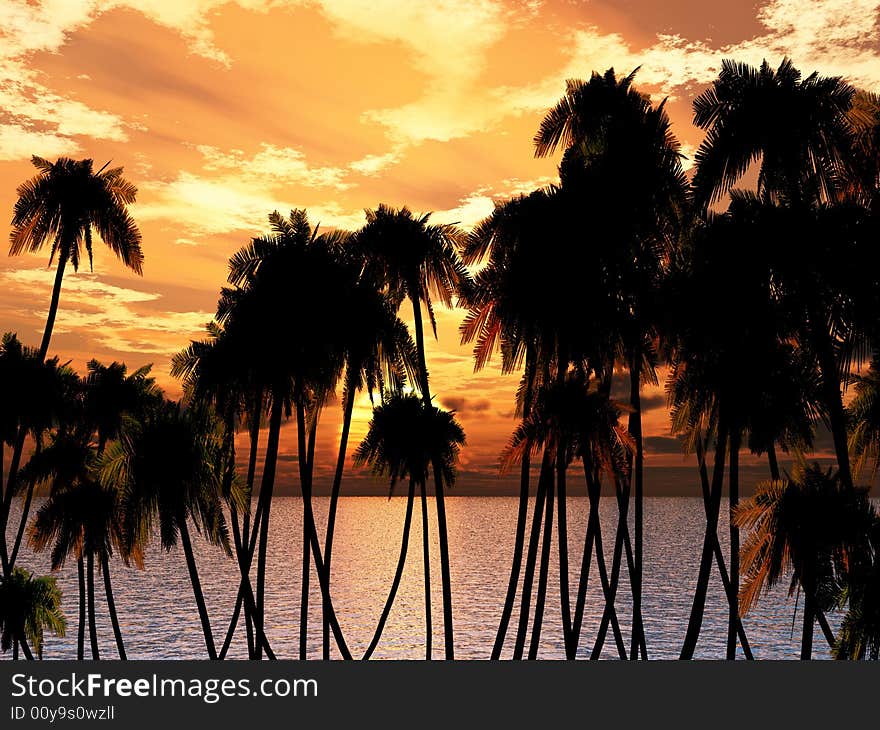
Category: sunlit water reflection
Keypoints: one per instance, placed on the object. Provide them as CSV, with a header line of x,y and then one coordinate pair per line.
x,y
159,620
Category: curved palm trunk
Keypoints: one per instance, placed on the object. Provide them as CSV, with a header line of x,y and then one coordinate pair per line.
x,y
81,626
18,446
445,573
531,558
622,547
543,572
310,537
516,562
521,518
398,573
306,459
635,429
426,560
245,597
562,521
22,522
593,538
12,475
266,486
196,585
90,583
809,621
710,537
731,594
111,605
830,385
733,620
348,408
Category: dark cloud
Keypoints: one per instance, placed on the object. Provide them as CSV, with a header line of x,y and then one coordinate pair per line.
x,y
467,406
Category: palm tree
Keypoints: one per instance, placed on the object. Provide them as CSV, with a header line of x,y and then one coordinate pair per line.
x,y
37,394
80,518
168,470
725,361
801,131
417,260
407,439
62,206
621,156
576,419
217,372
29,605
379,354
809,526
299,270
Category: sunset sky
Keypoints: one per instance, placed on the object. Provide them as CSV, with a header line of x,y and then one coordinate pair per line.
x,y
222,111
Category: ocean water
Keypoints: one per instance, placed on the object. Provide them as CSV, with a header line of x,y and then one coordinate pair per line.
x,y
159,620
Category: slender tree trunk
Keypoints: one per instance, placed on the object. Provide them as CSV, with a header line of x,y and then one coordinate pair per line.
x,y
569,639
731,594
635,429
830,385
544,573
532,557
696,618
53,307
11,477
398,573
348,408
306,457
22,523
266,487
90,582
426,561
622,547
196,585
81,626
445,573
594,539
111,605
733,620
521,519
809,620
310,533
248,542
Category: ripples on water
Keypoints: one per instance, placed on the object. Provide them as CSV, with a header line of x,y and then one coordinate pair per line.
x,y
159,619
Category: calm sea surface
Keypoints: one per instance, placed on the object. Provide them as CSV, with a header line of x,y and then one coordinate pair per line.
x,y
159,618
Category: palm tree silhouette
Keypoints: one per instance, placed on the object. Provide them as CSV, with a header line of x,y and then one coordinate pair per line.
x,y
294,269
62,205
80,518
800,129
576,419
217,372
29,605
37,394
407,439
621,156
809,526
379,354
416,260
169,472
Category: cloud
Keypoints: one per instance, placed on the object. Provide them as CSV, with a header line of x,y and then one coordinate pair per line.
x,y
111,316
662,445
467,406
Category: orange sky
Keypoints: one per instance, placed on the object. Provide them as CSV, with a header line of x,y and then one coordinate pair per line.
x,y
223,111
